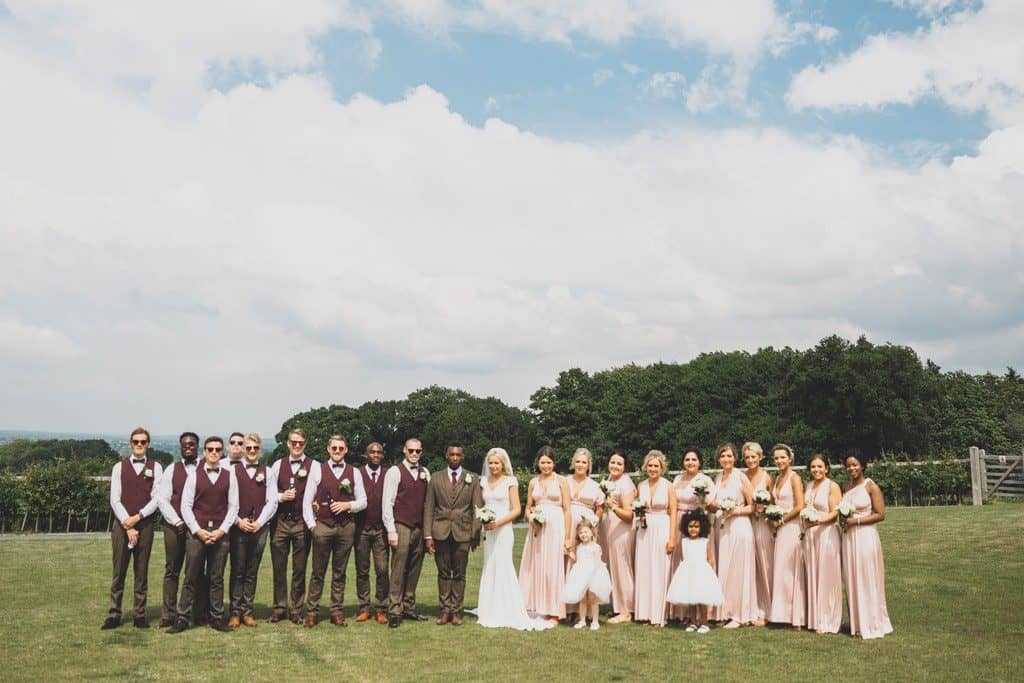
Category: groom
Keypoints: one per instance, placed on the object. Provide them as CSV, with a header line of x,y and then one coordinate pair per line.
x,y
451,530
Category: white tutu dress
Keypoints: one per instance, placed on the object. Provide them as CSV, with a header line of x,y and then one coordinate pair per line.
x,y
695,582
588,574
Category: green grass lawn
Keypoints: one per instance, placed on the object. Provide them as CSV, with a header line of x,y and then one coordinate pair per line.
x,y
955,579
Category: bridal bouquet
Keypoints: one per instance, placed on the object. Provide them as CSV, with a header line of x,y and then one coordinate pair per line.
x,y
761,499
640,512
701,488
724,507
537,517
845,509
485,515
808,517
773,513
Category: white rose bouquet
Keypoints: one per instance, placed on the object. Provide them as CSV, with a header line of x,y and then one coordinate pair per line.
x,y
808,517
773,513
845,509
725,506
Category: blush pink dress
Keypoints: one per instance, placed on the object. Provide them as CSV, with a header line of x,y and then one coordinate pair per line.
x,y
823,567
652,562
737,565
542,569
788,606
616,539
686,501
764,552
864,570
585,497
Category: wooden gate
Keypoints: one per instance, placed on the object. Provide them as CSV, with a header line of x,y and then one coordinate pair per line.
x,y
995,475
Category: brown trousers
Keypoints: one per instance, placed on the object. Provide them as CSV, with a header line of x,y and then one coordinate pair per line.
x,y
140,557
372,543
406,563
289,535
246,556
332,544
451,558
209,561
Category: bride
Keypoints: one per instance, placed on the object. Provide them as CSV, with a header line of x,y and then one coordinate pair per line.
x,y
501,600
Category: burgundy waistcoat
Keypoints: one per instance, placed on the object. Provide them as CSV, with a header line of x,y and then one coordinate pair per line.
x,y
178,477
412,493
330,489
292,508
211,501
136,489
252,494
371,518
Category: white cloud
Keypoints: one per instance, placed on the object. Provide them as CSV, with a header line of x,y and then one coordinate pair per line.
x,y
972,60
631,69
491,104
720,85
664,84
21,341
602,76
799,33
929,7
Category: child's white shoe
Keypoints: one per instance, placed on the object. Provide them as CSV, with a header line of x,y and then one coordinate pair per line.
x,y
582,623
691,628
594,625
703,628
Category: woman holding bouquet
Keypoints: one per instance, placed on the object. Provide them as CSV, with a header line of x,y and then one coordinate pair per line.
x,y
615,534
863,565
688,500
585,498
788,605
542,569
764,543
737,565
655,541
821,549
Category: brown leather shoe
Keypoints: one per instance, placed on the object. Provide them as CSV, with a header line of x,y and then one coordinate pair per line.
x,y
456,619
165,623
276,617
310,620
338,619
234,622
442,619
382,618
249,620
364,615
296,619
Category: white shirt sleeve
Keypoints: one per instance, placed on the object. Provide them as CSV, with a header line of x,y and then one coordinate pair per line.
x,y
270,506
115,494
150,507
225,526
359,504
391,479
188,497
164,489
312,482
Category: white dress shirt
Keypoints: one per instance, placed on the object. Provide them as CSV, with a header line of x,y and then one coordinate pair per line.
x,y
115,490
358,505
270,503
390,492
292,470
164,491
188,497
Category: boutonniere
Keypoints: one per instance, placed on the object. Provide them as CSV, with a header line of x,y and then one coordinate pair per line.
x,y
346,485
469,478
423,475
302,473
148,473
259,477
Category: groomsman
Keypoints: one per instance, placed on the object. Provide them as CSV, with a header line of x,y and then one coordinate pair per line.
x,y
288,532
371,540
169,491
234,454
131,537
209,506
405,491
236,448
451,530
338,494
257,503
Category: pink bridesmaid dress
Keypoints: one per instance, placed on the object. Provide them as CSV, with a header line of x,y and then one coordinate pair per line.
x,y
864,570
737,564
821,560
788,564
686,501
542,569
616,539
764,553
652,562
585,497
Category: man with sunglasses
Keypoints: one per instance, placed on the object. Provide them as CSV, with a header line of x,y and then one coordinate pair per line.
x,y
371,539
405,491
338,494
169,491
131,538
233,455
288,532
209,507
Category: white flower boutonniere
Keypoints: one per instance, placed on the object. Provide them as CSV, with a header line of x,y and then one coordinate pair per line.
x,y
423,475
302,473
148,473
260,478
469,478
346,485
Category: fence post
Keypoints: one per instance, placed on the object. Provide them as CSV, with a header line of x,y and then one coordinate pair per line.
x,y
977,492
983,470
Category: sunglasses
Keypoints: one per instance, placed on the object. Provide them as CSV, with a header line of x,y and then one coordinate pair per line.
x,y
414,450
252,449
235,443
336,449
213,449
140,442
378,451
295,442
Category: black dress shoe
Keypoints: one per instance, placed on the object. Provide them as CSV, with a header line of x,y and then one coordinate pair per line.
x,y
140,622
412,616
276,617
393,621
110,622
219,625
179,626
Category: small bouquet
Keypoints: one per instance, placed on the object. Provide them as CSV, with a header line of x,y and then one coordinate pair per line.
x,y
773,513
761,499
485,515
724,507
608,487
537,517
640,512
808,517
701,488
845,509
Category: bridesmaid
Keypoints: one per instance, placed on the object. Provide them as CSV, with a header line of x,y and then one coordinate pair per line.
x,y
542,568
788,605
616,536
585,495
736,562
764,544
686,501
863,566
655,542
821,550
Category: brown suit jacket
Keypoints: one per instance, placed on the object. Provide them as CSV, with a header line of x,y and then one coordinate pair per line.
x,y
449,511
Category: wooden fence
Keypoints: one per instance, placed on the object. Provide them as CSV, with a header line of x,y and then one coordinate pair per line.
x,y
1001,476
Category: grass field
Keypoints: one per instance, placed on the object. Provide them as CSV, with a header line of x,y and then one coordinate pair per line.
x,y
955,579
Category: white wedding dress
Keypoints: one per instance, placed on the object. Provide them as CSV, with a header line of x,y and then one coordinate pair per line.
x,y
501,601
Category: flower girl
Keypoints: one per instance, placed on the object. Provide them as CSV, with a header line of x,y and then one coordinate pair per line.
x,y
695,581
588,582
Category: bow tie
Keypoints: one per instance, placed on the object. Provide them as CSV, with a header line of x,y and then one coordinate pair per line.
x,y
189,463
336,465
213,471
138,462
294,463
250,465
